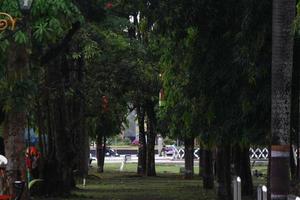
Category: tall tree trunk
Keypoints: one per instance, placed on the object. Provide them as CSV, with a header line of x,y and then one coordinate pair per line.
x,y
42,142
188,157
15,123
63,153
208,168
150,168
224,172
82,139
242,168
295,108
101,146
14,142
282,59
201,161
141,168
294,138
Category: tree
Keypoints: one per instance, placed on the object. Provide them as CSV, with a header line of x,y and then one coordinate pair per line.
x,y
282,61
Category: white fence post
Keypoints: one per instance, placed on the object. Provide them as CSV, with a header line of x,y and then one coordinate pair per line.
x,y
259,193
262,193
126,158
84,182
237,191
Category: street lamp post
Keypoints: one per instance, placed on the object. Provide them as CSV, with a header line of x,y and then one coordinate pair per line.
x,y
7,22
25,6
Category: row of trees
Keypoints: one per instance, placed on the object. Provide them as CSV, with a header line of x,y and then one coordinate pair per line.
x,y
80,66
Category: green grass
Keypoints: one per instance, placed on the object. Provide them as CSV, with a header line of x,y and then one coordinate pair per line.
x,y
160,168
114,185
126,185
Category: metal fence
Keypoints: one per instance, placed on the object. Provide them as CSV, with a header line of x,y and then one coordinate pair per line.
x,y
254,153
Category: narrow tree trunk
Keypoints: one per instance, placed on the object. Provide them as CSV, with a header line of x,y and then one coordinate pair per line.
x,y
151,140
103,153
41,132
294,138
141,168
189,157
101,146
63,153
282,59
295,108
242,168
224,172
83,137
201,160
208,168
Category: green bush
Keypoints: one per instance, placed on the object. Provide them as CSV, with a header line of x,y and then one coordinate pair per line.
x,y
127,141
118,140
168,141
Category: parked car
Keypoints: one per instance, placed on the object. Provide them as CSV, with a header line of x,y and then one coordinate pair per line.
x,y
111,152
168,150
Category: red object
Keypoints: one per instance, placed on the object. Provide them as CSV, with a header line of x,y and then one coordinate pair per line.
x,y
28,162
105,104
5,197
108,5
30,153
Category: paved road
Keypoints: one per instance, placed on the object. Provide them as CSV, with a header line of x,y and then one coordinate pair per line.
x,y
134,159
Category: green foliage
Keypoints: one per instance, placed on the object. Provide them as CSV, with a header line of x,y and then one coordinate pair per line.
x,y
169,141
215,69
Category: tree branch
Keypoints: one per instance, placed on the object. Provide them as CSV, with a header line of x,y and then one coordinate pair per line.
x,y
53,52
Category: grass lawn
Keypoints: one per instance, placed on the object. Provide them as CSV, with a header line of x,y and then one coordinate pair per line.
x,y
126,185
160,168
115,185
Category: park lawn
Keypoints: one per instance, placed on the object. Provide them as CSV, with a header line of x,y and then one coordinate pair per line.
x,y
114,185
160,168
126,185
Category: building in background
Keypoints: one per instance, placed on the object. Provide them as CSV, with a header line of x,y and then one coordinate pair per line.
x,y
131,128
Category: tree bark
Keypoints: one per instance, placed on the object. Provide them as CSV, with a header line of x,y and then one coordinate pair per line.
x,y
63,144
14,142
141,168
295,108
282,59
224,172
242,168
101,140
201,161
150,169
62,154
188,157
208,168
15,122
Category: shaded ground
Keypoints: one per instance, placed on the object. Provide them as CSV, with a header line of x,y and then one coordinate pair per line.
x,y
115,185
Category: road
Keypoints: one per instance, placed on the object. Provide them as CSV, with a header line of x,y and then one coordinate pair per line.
x,y
134,159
